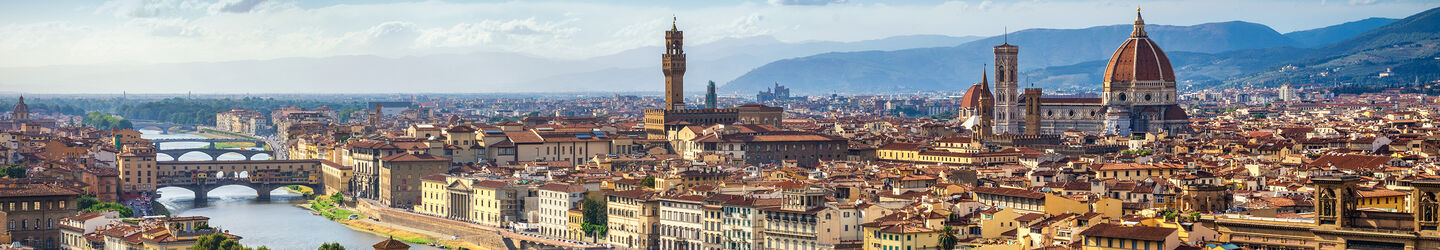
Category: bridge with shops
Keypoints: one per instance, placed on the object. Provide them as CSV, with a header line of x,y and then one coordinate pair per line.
x,y
263,176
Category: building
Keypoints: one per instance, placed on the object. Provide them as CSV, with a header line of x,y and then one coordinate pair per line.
x,y
446,196
242,121
555,202
34,210
742,223
1114,236
162,233
1139,95
400,177
775,94
136,164
498,203
673,115
760,144
681,222
710,102
794,224
337,177
1338,222
633,221
1019,199
73,229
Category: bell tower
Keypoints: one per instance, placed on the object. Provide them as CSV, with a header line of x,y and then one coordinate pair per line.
x,y
1007,89
986,109
673,65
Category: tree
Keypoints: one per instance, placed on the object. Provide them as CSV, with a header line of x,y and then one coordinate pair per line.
x,y
216,241
649,181
101,207
595,218
86,201
331,246
947,238
13,171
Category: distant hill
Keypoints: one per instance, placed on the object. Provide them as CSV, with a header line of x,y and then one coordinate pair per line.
x,y
954,68
1408,48
1321,37
631,70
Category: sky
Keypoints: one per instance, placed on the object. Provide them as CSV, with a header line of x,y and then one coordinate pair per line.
x,y
72,32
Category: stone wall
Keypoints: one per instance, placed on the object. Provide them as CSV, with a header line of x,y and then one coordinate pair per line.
x,y
474,234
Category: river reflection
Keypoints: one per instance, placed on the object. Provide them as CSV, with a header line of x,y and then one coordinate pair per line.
x,y
278,223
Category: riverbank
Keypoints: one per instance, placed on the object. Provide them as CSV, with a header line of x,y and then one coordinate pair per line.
x,y
327,206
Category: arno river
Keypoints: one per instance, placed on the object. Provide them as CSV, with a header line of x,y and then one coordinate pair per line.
x,y
278,223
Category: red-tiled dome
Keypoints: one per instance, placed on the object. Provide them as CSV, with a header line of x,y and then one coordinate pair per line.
x,y
972,95
1139,59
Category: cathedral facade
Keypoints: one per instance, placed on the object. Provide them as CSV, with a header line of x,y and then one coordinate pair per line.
x,y
1139,95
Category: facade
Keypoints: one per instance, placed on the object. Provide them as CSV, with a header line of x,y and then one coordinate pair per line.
x,y
242,121
1139,95
136,164
794,224
681,222
337,177
633,221
34,211
73,229
555,202
166,233
498,203
400,177
742,223
1114,236
1340,224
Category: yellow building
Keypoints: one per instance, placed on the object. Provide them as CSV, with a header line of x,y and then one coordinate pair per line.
x,y
632,219
1382,199
1115,236
1135,171
336,177
496,203
900,237
136,164
576,219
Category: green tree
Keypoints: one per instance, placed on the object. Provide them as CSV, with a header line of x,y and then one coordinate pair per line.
x,y
595,218
649,181
216,241
331,246
948,238
86,201
13,171
101,207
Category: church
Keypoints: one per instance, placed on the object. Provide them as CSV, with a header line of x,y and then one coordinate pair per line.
x,y
1138,96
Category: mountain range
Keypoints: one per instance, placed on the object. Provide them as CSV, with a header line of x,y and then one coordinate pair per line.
x,y
1225,54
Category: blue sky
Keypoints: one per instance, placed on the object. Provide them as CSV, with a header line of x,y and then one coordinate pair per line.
x,y
71,32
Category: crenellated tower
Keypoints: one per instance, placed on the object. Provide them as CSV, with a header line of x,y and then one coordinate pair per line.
x,y
673,65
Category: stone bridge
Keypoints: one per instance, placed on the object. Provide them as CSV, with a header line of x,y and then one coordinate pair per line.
x,y
214,153
263,176
164,127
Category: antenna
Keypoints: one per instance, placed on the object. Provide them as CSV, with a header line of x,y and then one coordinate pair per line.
x,y
1007,34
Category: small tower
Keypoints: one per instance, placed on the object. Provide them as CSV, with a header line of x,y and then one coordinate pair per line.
x,y
673,65
986,109
375,116
710,96
1032,111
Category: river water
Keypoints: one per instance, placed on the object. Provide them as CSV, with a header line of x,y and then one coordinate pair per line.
x,y
278,223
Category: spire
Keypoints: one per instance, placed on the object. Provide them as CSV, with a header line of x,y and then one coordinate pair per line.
x,y
1007,34
1139,25
673,21
984,78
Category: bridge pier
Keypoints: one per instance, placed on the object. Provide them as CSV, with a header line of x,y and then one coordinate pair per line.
x,y
262,191
202,195
212,145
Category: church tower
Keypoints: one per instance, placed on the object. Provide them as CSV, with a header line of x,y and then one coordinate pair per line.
x,y
1007,89
986,109
673,64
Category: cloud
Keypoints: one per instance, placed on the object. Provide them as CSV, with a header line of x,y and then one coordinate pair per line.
x,y
136,8
805,2
1361,2
508,33
235,6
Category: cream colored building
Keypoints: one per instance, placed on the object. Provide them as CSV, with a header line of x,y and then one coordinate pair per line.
x,y
400,177
681,223
633,221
